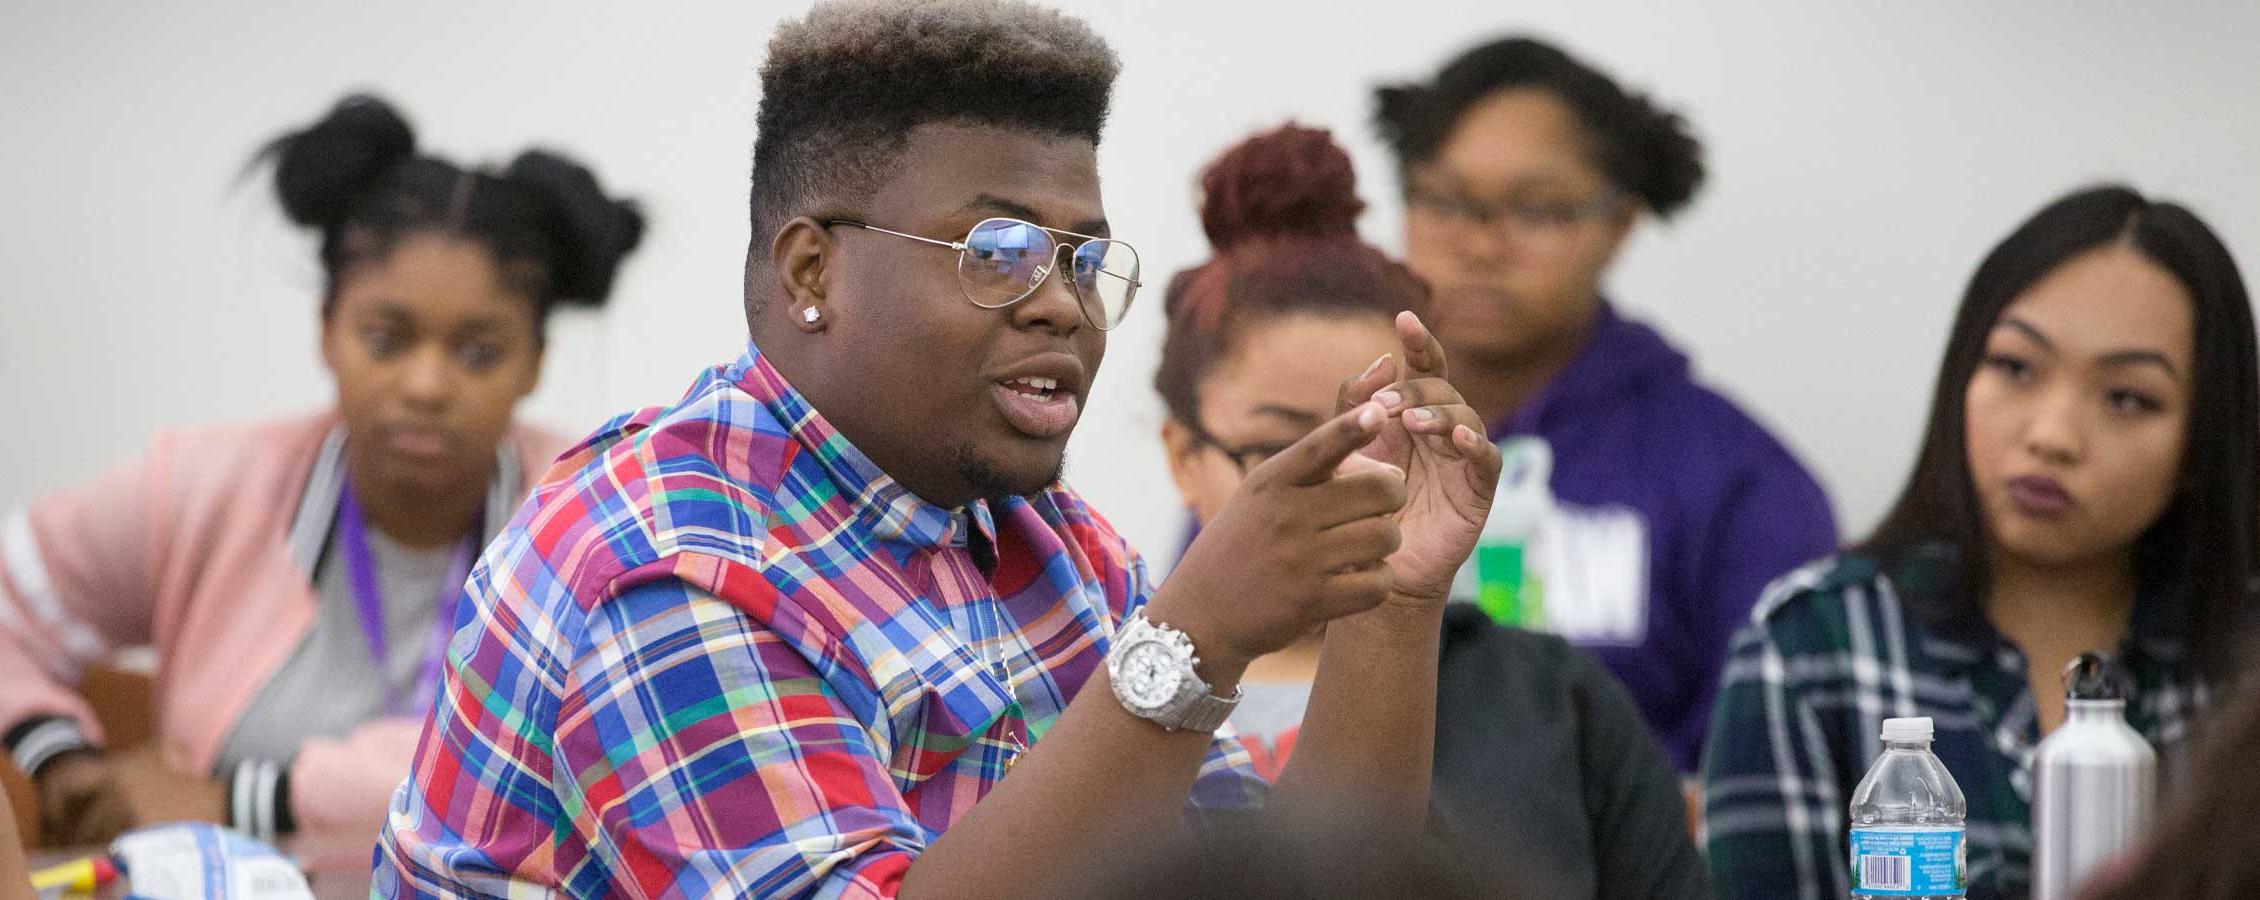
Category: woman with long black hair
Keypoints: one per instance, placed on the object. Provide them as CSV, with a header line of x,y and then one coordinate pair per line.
x,y
2086,482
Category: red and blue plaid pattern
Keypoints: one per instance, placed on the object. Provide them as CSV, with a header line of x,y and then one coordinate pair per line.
x,y
719,652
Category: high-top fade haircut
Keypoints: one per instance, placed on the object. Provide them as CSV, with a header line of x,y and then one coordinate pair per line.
x,y
843,87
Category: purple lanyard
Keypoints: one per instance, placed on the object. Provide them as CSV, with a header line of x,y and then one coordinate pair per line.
x,y
361,569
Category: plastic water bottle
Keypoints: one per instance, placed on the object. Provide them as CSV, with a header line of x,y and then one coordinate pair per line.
x,y
1907,821
2096,782
1503,577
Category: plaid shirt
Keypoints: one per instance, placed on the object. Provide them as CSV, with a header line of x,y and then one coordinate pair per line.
x,y
1831,651
720,653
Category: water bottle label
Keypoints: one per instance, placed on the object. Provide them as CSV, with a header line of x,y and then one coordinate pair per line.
x,y
1908,862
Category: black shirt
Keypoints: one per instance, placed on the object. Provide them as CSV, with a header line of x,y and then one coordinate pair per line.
x,y
1545,766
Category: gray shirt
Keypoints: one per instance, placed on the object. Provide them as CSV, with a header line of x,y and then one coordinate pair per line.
x,y
326,688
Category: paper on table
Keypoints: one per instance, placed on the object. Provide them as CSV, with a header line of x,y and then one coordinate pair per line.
x,y
199,860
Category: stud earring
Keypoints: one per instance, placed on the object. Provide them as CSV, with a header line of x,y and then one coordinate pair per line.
x,y
810,315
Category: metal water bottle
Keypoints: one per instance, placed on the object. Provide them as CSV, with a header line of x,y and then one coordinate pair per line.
x,y
2096,782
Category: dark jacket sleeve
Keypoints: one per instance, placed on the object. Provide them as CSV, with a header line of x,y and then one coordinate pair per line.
x,y
1775,519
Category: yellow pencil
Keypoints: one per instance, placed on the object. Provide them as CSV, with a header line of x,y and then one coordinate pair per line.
x,y
78,876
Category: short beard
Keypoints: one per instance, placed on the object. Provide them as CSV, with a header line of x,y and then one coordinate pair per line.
x,y
987,482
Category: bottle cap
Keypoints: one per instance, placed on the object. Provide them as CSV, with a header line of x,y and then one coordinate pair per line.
x,y
2093,676
1907,730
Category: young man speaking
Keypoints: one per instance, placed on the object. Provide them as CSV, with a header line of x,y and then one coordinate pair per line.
x,y
830,625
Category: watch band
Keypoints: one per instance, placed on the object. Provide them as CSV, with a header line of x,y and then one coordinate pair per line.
x,y
1208,712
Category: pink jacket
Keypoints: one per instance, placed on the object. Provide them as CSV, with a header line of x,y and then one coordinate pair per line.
x,y
205,548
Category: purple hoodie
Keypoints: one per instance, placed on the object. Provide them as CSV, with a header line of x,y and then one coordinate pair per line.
x,y
1665,472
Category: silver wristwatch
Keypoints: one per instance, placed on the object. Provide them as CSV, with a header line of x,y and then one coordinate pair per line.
x,y
1151,668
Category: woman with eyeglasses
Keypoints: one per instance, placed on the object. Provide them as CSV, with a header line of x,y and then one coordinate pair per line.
x,y
297,577
1541,758
1524,171
2086,482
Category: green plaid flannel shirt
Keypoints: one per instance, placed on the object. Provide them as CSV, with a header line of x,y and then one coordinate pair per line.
x,y
1834,649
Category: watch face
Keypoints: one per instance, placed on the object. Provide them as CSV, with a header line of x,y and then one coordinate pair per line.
x,y
1150,675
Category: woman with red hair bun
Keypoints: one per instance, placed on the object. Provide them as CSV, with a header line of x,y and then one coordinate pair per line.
x,y
1542,761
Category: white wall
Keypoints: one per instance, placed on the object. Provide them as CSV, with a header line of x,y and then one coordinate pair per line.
x,y
1864,157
